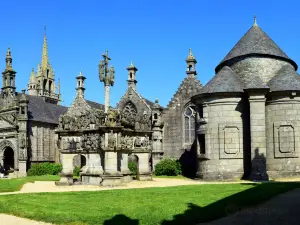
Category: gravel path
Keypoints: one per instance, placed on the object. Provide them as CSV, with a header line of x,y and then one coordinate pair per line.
x,y
49,186
13,220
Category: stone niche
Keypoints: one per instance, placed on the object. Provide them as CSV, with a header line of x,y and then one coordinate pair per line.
x,y
285,145
230,137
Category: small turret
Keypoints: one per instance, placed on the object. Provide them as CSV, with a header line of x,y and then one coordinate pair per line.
x,y
132,76
8,77
32,85
80,85
191,63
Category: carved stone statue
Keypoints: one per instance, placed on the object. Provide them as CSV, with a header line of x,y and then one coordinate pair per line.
x,y
146,141
23,142
138,142
111,140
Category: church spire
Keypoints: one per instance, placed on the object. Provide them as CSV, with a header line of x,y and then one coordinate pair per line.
x,y
45,60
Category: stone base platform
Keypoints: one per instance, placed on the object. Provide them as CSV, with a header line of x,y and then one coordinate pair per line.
x,y
283,174
144,177
225,176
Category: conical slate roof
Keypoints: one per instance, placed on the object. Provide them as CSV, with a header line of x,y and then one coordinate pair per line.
x,y
287,79
255,41
224,81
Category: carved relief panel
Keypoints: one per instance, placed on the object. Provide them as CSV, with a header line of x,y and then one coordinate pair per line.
x,y
285,144
230,140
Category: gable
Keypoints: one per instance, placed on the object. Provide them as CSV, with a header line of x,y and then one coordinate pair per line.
x,y
189,87
133,97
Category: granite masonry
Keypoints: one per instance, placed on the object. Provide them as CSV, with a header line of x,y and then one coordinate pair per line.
x,y
244,123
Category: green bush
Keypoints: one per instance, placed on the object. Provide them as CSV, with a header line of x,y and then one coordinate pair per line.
x,y
44,169
167,167
132,167
76,171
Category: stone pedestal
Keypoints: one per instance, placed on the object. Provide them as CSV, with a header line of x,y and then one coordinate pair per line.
x,y
144,172
258,136
66,175
22,168
111,163
94,164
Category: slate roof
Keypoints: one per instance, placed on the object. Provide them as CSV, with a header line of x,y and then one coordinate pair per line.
x,y
224,81
41,111
255,41
95,105
254,82
287,79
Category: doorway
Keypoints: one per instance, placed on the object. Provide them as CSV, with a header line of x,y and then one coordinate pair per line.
x,y
8,159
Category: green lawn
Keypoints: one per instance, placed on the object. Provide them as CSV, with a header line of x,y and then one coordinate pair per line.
x,y
15,184
165,206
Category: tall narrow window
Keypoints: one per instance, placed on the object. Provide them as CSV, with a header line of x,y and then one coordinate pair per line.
x,y
189,124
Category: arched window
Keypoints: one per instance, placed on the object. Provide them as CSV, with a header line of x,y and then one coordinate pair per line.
x,y
189,124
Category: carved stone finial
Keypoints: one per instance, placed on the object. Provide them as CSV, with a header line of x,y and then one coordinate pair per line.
x,y
156,100
255,20
23,91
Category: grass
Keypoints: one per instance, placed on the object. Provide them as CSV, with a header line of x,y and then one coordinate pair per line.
x,y
166,206
15,184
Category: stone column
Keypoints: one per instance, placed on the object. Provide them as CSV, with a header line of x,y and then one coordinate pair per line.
x,y
124,163
107,97
258,136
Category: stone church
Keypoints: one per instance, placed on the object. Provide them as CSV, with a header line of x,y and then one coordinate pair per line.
x,y
244,123
28,121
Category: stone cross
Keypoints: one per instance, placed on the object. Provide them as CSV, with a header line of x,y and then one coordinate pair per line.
x,y
106,75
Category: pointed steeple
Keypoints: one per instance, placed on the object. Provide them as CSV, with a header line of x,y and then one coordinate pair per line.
x,y
190,56
32,77
45,60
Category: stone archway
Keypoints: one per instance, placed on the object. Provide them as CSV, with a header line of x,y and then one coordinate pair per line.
x,y
8,155
133,158
8,159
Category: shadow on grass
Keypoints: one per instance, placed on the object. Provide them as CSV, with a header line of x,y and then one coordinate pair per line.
x,y
195,214
229,205
121,219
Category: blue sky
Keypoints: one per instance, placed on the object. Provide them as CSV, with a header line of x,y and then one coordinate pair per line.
x,y
155,35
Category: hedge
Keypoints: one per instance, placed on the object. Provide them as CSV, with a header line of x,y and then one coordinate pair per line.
x,y
44,169
168,167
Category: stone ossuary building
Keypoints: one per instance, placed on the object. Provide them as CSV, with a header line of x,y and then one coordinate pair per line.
x,y
243,123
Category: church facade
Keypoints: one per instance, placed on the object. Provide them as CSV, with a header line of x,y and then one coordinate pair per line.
x,y
243,123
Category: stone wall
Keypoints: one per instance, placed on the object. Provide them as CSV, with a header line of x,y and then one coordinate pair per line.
x,y
283,136
42,142
173,143
224,138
